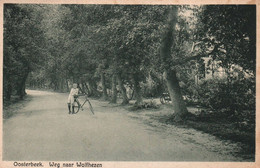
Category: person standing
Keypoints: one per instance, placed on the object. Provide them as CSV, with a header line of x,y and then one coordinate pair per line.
x,y
73,92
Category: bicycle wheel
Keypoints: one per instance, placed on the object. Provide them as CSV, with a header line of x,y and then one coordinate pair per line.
x,y
130,94
162,100
90,107
76,107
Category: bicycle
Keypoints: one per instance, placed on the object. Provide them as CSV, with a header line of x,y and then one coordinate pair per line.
x,y
78,106
165,98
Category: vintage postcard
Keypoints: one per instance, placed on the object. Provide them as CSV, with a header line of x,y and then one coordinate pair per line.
x,y
134,83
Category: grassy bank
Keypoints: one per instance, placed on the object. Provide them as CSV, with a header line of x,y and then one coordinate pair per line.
x,y
222,128
11,107
216,124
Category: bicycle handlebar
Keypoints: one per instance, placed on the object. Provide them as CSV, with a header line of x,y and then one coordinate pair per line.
x,y
77,96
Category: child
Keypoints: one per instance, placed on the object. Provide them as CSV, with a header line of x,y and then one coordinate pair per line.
x,y
73,92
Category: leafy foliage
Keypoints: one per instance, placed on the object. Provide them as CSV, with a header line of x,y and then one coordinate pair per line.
x,y
22,47
233,30
52,46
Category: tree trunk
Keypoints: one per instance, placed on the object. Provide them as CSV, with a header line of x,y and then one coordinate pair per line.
x,y
55,84
122,89
158,78
172,82
93,89
7,79
85,88
114,90
179,106
104,88
62,84
9,89
24,87
68,85
21,87
137,90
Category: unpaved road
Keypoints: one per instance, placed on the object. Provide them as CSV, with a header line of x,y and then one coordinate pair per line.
x,y
43,130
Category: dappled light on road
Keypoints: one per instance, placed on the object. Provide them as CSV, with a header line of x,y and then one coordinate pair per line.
x,y
43,130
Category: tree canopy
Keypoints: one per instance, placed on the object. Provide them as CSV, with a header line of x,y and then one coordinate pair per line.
x,y
148,48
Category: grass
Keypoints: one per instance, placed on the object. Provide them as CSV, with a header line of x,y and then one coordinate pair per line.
x,y
217,124
221,128
11,107
227,131
144,105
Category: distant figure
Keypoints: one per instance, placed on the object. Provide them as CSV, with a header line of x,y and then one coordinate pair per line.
x,y
73,93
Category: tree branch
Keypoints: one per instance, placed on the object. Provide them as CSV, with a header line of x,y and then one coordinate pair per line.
x,y
183,61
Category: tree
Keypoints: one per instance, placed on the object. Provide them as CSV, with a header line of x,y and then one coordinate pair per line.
x,y
233,29
119,45
170,74
222,33
22,47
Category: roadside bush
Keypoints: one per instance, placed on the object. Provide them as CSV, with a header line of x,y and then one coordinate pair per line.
x,y
235,99
145,105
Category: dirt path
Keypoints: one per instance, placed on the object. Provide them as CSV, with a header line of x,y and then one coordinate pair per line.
x,y
43,130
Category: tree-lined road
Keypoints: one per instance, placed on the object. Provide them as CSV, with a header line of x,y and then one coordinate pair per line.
x,y
43,130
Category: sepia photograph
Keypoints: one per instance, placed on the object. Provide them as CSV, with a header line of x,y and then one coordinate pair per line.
x,y
93,83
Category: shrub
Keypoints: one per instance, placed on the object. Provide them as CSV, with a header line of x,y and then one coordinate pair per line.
x,y
145,105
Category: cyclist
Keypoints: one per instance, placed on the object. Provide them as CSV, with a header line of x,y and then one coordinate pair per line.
x,y
73,93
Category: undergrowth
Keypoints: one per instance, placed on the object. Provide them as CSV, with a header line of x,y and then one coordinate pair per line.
x,y
144,105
